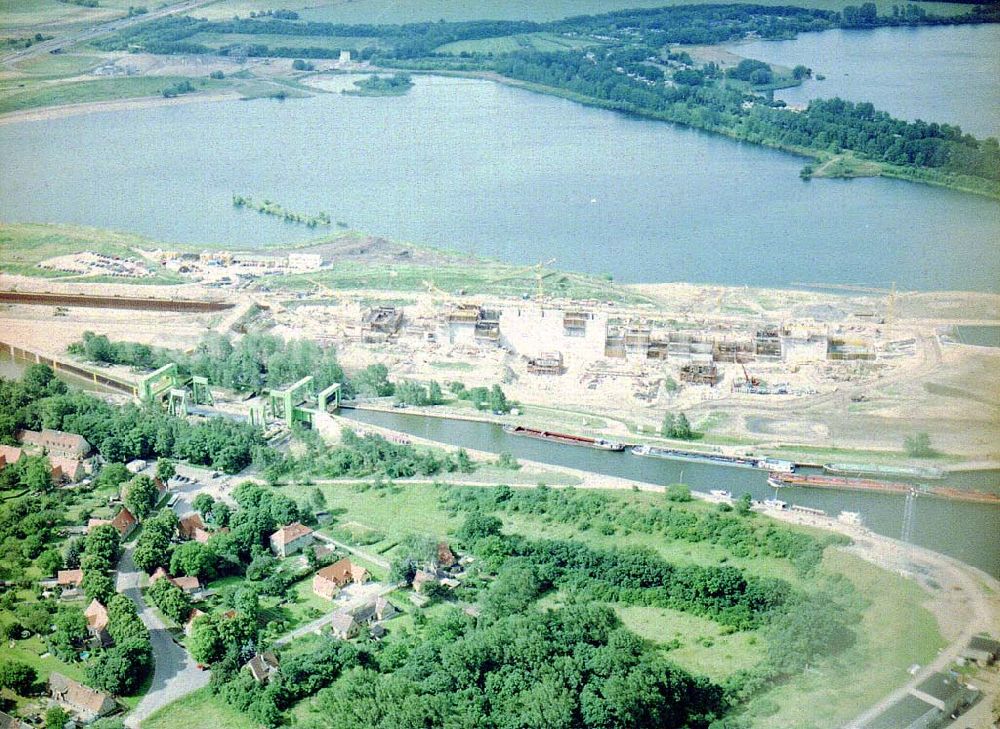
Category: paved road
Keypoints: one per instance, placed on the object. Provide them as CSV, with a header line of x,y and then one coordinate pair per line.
x,y
176,673
97,31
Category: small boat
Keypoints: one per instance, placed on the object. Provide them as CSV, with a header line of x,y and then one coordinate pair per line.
x,y
721,496
776,483
776,465
577,440
777,504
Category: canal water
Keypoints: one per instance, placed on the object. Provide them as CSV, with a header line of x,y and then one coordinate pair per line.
x,y
499,172
936,521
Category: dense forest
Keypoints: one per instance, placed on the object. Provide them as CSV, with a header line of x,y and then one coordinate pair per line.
x,y
624,61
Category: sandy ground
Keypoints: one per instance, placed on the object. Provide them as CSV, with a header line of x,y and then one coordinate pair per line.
x,y
58,112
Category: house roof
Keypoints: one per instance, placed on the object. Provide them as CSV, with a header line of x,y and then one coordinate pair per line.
x,y
262,664
188,524
422,576
342,622
97,615
186,583
384,607
364,613
56,440
11,454
77,695
69,577
159,574
124,521
339,572
445,557
69,466
200,535
195,614
377,630
290,533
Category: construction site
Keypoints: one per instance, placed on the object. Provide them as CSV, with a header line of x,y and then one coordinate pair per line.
x,y
760,367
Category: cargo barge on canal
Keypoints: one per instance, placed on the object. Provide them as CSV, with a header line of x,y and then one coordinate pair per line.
x,y
577,440
780,480
771,465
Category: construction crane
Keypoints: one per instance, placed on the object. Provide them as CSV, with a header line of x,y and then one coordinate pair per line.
x,y
539,276
436,293
323,288
750,381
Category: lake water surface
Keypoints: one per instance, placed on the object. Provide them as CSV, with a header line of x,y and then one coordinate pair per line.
x,y
945,74
501,172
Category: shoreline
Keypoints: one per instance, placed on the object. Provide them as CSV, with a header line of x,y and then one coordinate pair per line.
x,y
47,113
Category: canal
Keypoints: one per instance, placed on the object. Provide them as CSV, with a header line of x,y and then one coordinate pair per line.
x,y
966,531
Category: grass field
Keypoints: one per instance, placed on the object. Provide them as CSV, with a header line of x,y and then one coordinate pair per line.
x,y
24,15
199,709
218,40
895,632
393,11
22,246
15,98
546,42
66,64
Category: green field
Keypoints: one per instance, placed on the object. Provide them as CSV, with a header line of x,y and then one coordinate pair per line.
x,y
22,246
393,11
546,42
199,709
218,40
65,64
15,98
896,631
20,16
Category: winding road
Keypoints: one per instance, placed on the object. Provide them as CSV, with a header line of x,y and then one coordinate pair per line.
x,y
176,673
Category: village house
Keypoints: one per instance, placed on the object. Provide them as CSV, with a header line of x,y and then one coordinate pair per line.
x,y
57,443
189,623
78,699
66,469
69,578
9,455
97,623
445,557
343,625
187,584
422,578
982,650
158,575
124,522
328,581
291,539
384,610
262,666
187,527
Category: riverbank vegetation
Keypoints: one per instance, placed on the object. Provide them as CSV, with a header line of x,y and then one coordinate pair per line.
x,y
634,66
268,207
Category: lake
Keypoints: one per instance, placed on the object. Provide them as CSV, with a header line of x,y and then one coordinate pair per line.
x,y
943,74
499,172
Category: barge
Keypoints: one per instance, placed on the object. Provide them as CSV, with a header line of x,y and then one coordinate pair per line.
x,y
867,469
694,456
779,480
776,465
577,440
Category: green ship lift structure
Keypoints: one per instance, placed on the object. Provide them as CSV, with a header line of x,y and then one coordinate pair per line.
x,y
298,403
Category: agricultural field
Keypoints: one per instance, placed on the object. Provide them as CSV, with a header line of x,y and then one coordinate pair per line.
x,y
18,17
219,40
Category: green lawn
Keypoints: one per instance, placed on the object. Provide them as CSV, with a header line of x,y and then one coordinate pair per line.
x,y
21,16
703,648
64,64
199,709
895,632
14,98
547,42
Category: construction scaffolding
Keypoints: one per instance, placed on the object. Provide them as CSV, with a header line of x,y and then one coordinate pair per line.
x,y
637,339
614,344
850,350
767,343
381,322
737,351
488,325
575,323
700,374
546,363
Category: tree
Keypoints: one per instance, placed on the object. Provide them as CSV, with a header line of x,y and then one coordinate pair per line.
x,y
678,492
317,499
97,586
683,429
50,561
166,469
498,400
140,496
373,381
743,504
170,599
800,72
206,644
203,503
918,445
112,475
194,559
434,394
103,544
56,718
17,676
121,669
669,426
36,474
